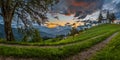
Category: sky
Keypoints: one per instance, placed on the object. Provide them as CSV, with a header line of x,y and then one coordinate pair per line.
x,y
72,10
62,19
69,11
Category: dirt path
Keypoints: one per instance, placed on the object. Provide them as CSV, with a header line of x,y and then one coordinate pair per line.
x,y
86,54
55,46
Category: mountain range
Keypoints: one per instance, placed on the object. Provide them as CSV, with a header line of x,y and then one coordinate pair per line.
x,y
113,5
44,31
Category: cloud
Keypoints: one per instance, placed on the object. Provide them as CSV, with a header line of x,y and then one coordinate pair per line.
x,y
80,8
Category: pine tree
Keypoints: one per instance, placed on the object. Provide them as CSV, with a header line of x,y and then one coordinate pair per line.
x,y
108,16
36,36
112,17
100,17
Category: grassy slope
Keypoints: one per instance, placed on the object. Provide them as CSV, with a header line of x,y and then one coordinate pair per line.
x,y
58,53
111,51
95,31
51,53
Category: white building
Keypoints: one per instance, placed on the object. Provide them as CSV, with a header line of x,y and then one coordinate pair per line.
x,y
117,22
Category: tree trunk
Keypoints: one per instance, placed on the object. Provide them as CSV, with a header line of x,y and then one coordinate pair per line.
x,y
7,13
8,29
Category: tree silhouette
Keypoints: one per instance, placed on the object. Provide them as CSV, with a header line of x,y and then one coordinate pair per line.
x,y
108,16
100,17
74,31
22,10
112,17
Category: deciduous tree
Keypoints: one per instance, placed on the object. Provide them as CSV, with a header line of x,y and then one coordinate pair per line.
x,y
25,10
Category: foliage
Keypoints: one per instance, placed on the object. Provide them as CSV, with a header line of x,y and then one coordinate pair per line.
x,y
108,16
100,18
36,9
31,35
36,36
26,11
112,17
74,31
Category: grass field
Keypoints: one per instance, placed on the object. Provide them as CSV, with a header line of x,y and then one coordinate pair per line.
x,y
111,51
90,33
75,45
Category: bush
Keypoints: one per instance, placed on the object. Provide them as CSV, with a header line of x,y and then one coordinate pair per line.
x,y
36,36
32,36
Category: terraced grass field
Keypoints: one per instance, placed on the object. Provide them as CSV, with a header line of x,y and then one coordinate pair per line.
x,y
90,33
59,50
111,51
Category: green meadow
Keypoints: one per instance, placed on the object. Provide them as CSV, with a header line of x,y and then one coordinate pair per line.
x,y
58,50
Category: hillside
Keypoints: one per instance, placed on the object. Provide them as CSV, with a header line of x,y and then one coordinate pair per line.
x,y
59,29
61,49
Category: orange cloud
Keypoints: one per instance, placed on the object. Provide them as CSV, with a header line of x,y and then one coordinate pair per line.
x,y
82,4
78,7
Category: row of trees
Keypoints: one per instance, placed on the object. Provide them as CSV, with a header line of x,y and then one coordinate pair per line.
x,y
21,10
109,16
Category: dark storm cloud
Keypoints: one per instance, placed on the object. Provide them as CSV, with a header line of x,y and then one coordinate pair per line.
x,y
78,7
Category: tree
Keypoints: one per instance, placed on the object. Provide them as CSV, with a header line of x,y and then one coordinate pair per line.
x,y
32,35
74,31
112,17
22,10
36,36
108,16
100,17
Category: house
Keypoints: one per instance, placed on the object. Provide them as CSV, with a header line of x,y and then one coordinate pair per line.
x,y
116,21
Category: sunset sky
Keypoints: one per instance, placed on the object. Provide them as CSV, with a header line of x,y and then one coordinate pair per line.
x,y
62,19
72,10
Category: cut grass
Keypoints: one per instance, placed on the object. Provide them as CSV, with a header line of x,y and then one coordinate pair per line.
x,y
111,51
52,53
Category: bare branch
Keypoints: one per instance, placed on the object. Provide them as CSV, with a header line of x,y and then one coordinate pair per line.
x,y
12,11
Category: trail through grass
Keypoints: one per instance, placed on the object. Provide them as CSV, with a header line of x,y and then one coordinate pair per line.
x,y
88,34
111,51
64,48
